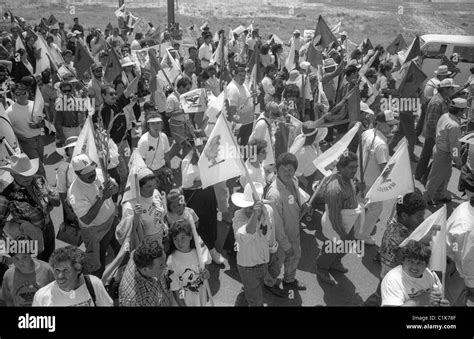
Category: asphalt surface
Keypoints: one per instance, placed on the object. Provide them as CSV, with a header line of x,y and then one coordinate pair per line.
x,y
352,288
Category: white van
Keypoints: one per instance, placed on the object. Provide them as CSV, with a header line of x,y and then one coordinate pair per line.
x,y
434,46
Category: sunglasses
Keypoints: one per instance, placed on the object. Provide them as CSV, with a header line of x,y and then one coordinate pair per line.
x,y
18,93
65,91
112,94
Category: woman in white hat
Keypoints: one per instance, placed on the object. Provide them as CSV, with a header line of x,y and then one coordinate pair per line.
x,y
28,199
253,226
306,149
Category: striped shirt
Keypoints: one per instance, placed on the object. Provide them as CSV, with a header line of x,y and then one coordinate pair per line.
x,y
437,106
340,195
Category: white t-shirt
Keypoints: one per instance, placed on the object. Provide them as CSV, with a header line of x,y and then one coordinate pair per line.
x,y
153,150
375,153
184,271
82,196
52,295
239,96
398,287
153,213
205,51
65,175
20,116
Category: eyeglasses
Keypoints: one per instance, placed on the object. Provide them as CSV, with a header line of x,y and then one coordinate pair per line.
x,y
18,93
112,94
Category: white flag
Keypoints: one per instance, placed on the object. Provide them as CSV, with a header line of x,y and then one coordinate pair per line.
x,y
135,164
329,158
86,142
438,245
290,60
220,159
468,138
170,67
43,62
120,12
336,29
396,178
38,104
194,101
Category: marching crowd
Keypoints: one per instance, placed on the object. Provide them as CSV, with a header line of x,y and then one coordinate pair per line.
x,y
153,249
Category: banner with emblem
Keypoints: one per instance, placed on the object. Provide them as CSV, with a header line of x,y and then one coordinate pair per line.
x,y
141,57
220,159
396,178
194,101
141,26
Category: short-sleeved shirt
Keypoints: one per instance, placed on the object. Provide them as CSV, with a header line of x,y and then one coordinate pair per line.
x,y
19,288
20,116
375,153
239,96
205,52
171,217
448,133
65,175
398,287
82,196
52,295
173,106
153,150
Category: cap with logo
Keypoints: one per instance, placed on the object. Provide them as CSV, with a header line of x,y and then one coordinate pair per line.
x,y
82,164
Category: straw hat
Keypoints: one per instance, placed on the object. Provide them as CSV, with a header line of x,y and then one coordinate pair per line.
x,y
22,165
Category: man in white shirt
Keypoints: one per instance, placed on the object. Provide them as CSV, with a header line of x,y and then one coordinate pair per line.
x,y
255,240
153,145
26,126
375,154
298,41
241,108
115,39
205,51
413,283
71,287
91,200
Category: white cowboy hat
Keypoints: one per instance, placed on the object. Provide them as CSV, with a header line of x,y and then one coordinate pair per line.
x,y
126,62
443,70
327,63
246,199
310,128
446,83
294,75
22,165
365,108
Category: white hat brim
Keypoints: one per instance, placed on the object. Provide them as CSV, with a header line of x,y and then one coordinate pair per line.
x,y
239,200
34,168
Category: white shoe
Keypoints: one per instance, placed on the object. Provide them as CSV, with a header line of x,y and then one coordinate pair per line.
x,y
217,257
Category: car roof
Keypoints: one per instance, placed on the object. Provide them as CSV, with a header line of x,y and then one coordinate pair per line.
x,y
449,39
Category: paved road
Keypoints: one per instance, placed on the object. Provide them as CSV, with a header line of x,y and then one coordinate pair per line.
x,y
352,289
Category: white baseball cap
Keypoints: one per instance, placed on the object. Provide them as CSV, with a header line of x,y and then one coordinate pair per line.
x,y
83,164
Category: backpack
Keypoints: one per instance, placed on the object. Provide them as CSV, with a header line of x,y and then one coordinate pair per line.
x,y
90,288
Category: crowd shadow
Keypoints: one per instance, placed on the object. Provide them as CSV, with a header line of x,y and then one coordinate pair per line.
x,y
53,158
370,253
342,294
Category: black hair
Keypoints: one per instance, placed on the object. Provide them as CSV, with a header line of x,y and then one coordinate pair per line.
x,y
178,227
344,160
270,68
471,70
410,204
148,105
351,69
145,179
291,90
70,254
104,88
183,82
146,252
264,49
416,250
191,48
260,144
356,54
287,158
117,82
239,70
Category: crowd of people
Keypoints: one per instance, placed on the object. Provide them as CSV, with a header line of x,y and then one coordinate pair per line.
x,y
154,249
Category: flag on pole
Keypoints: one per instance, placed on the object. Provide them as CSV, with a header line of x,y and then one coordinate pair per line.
x,y
113,68
38,105
438,245
468,138
336,28
396,178
217,56
82,60
408,79
43,62
325,161
135,164
322,38
451,67
220,159
86,142
365,46
19,43
120,12
194,101
397,45
414,51
290,60
254,67
170,67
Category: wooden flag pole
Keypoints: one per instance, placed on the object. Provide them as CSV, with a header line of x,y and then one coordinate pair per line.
x,y
139,229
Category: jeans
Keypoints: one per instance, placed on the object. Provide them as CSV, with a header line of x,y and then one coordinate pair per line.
x,y
252,278
406,129
290,263
425,157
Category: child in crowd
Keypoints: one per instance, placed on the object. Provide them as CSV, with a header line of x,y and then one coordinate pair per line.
x,y
177,208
